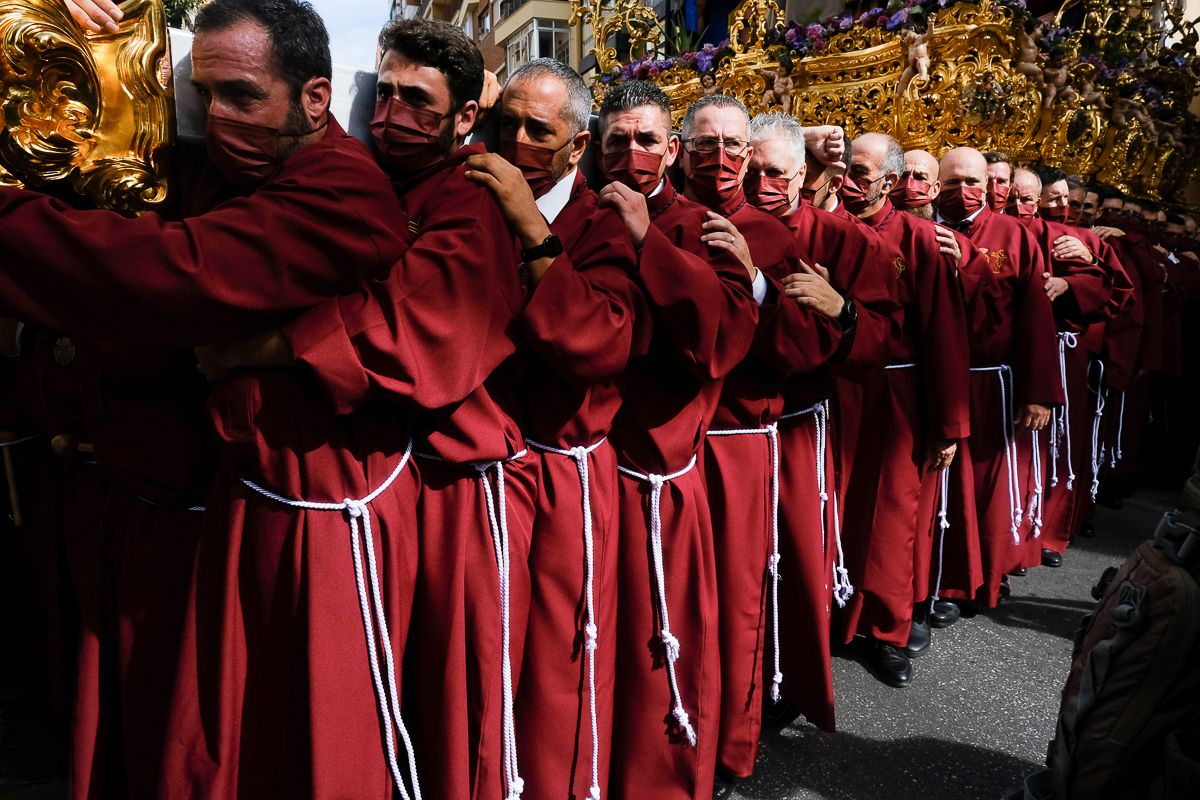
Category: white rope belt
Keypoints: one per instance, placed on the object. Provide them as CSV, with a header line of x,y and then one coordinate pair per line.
x,y
670,643
22,440
1060,418
943,526
842,588
591,632
1015,512
387,697
1116,455
1037,495
497,511
909,365
1097,416
772,433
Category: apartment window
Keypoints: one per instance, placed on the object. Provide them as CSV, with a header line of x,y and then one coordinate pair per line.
x,y
509,6
485,21
541,38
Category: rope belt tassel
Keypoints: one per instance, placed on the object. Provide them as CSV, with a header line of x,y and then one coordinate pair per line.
x,y
591,632
387,695
1062,417
1098,414
1037,496
670,643
943,526
497,511
1015,511
772,433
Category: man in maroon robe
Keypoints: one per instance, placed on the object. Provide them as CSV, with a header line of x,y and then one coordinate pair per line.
x,y
742,456
1079,280
1013,377
848,277
910,427
666,724
314,194
583,321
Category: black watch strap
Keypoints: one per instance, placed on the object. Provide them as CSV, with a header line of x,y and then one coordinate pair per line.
x,y
849,316
550,247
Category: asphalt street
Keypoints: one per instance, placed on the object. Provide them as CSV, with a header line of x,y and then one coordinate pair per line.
x,y
983,702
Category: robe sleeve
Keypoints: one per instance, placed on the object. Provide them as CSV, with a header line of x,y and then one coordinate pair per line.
x,y
1035,345
791,338
586,317
313,232
945,358
427,335
703,306
869,279
1122,337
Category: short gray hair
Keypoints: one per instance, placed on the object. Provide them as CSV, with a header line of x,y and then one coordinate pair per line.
x,y
711,101
578,110
780,125
893,159
635,94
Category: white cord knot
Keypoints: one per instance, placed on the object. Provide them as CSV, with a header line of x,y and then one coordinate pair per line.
x,y
592,633
773,565
824,497
671,644
515,787
594,792
578,453
943,523
681,716
657,481
354,508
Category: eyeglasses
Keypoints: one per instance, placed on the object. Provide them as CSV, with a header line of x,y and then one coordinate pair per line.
x,y
704,145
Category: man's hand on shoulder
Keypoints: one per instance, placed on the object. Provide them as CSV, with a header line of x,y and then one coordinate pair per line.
x,y
630,206
507,184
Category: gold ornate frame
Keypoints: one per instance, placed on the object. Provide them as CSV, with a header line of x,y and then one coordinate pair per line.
x,y
93,112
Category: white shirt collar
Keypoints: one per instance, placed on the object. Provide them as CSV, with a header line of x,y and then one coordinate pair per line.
x,y
969,219
661,185
554,201
836,203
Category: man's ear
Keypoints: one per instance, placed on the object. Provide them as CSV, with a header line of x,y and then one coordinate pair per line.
x,y
579,147
464,120
673,145
314,99
935,189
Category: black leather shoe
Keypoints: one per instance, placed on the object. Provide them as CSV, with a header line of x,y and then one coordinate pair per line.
x,y
944,614
777,716
1019,572
1051,559
1088,530
891,665
1005,588
919,639
724,782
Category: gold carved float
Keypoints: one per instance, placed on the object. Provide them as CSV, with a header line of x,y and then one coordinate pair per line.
x,y
1106,99
83,112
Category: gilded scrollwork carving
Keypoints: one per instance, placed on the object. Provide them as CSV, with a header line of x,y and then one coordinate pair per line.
x,y
978,72
92,111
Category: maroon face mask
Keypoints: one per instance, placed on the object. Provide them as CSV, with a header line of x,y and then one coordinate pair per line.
x,y
854,195
910,193
407,138
535,162
714,179
246,153
1026,210
637,169
768,193
1054,213
997,196
956,203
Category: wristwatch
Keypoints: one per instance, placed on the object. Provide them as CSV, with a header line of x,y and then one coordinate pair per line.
x,y
550,247
849,316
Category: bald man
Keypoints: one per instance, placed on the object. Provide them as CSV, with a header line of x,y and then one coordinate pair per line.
x,y
848,277
1013,375
916,413
1104,355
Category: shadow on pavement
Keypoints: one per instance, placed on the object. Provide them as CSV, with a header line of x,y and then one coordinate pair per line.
x,y
844,765
1054,616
